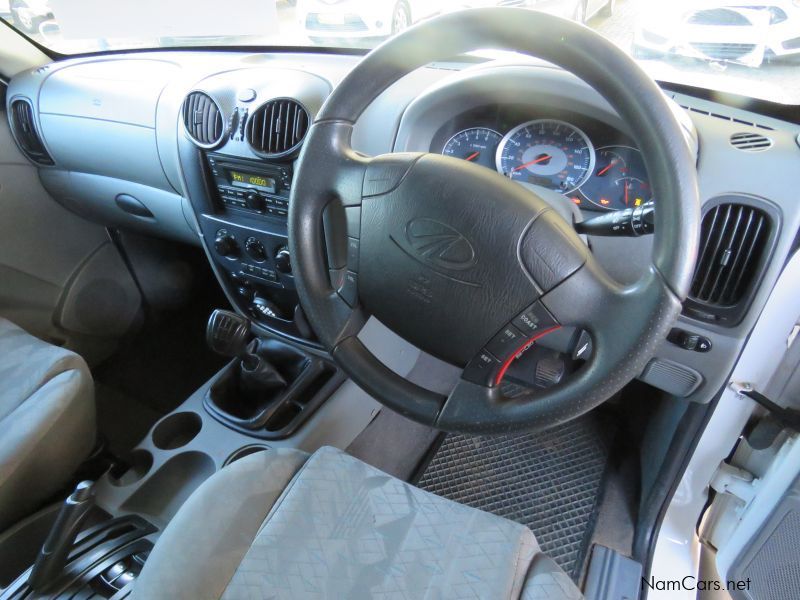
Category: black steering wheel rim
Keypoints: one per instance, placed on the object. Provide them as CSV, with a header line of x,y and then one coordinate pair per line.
x,y
334,183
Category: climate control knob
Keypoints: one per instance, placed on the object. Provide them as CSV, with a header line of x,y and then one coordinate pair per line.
x,y
255,249
283,260
255,201
226,245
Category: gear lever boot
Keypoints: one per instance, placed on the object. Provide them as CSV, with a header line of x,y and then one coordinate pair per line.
x,y
259,379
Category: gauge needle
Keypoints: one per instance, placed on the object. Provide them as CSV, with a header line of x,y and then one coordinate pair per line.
x,y
473,156
626,194
532,162
607,168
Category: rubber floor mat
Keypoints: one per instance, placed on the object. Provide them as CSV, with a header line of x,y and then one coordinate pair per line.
x,y
548,481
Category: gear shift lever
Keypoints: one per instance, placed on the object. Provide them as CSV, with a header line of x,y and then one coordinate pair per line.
x,y
54,553
229,334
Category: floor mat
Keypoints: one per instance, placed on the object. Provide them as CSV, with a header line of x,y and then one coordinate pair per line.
x,y
548,481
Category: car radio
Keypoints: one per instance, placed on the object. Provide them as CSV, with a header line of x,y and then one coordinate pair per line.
x,y
252,185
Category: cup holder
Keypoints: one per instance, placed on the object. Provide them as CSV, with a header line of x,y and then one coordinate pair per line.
x,y
135,467
245,451
177,430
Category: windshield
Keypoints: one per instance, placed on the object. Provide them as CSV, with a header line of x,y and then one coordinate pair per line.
x,y
745,47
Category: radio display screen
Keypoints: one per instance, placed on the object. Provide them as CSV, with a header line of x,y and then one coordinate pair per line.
x,y
251,180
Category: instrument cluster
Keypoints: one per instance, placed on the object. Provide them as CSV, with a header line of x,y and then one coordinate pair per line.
x,y
593,164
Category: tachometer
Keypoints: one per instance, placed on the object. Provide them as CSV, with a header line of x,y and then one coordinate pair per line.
x,y
553,154
477,144
619,179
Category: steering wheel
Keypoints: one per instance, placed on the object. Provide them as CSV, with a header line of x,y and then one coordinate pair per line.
x,y
470,266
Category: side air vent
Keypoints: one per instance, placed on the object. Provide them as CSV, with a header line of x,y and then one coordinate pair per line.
x,y
750,142
278,127
203,119
734,245
24,128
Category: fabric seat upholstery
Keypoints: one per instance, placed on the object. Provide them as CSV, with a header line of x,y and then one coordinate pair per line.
x,y
280,524
47,420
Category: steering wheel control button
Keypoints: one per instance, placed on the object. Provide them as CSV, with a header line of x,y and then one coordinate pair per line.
x,y
349,289
550,370
583,348
353,216
482,369
534,320
505,343
352,254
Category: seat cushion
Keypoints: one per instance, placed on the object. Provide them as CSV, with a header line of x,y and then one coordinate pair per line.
x,y
47,420
339,529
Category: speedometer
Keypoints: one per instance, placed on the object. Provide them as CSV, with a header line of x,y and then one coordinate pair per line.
x,y
552,154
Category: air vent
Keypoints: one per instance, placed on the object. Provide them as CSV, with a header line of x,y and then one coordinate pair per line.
x,y
203,119
750,142
277,127
24,128
734,243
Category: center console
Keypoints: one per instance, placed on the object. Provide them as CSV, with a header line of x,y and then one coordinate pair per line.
x,y
237,151
247,237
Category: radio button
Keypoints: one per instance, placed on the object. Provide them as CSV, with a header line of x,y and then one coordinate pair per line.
x,y
255,201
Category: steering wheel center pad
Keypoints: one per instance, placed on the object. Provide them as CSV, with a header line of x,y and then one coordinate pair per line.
x,y
450,254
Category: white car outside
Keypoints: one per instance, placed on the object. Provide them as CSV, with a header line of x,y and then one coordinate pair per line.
x,y
370,19
740,31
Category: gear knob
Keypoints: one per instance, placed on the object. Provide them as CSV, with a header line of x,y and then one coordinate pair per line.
x,y
228,333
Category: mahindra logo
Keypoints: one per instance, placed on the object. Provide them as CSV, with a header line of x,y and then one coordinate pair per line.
x,y
439,245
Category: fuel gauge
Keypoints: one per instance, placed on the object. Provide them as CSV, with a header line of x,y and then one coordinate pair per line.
x,y
619,180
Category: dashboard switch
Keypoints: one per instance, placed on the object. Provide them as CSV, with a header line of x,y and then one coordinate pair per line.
x,y
687,340
283,260
225,244
255,249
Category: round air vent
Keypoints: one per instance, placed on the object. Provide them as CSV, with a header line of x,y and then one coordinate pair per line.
x,y
202,119
277,127
750,142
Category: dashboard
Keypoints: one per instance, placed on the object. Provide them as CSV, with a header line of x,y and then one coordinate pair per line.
x,y
593,164
201,147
